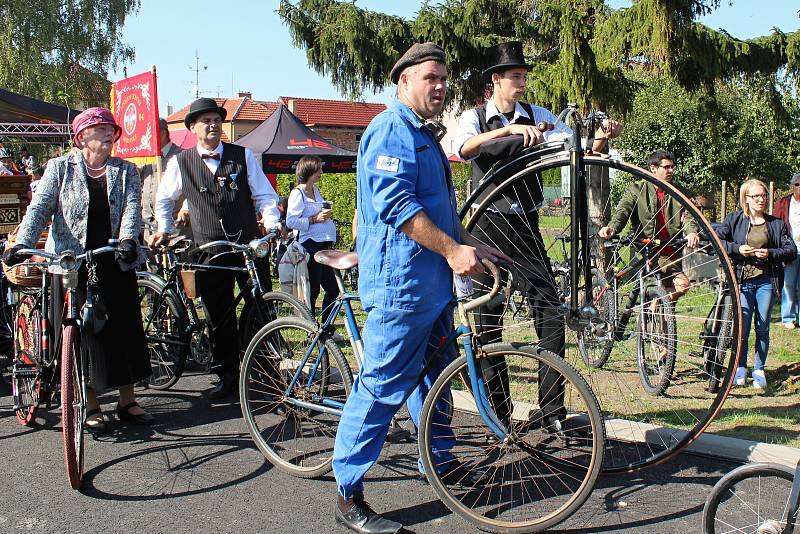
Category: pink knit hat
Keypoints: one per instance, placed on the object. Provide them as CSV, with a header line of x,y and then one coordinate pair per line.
x,y
92,117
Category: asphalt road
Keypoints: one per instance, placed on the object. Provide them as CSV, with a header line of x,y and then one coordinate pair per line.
x,y
197,471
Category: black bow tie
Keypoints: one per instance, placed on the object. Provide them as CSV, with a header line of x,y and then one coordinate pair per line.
x,y
213,155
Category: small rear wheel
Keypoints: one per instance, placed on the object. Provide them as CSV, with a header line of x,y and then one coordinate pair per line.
x,y
73,404
716,345
596,339
547,466
295,427
752,498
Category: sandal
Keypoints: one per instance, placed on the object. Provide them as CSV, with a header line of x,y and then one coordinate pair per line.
x,y
95,426
137,419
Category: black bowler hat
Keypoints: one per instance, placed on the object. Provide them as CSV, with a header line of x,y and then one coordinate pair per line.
x,y
418,53
200,106
504,56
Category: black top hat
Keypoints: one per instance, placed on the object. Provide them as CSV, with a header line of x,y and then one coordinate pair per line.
x,y
504,56
203,105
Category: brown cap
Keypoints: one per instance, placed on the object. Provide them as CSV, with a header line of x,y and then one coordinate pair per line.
x,y
418,53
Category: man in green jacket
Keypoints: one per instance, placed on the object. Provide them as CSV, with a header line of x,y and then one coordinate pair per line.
x,y
654,215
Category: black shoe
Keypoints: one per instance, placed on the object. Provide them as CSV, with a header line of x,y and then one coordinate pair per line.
x,y
458,474
137,419
556,427
227,386
357,515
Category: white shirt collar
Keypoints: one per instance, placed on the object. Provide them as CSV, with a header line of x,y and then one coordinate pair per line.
x,y
166,148
491,111
218,150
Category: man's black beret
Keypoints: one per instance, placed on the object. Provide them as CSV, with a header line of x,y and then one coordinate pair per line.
x,y
418,53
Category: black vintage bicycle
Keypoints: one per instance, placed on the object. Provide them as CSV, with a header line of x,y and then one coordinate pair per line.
x,y
176,323
641,428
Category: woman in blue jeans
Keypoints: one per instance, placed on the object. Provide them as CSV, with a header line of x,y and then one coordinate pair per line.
x,y
759,245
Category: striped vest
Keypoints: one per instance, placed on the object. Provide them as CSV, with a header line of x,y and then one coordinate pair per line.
x,y
218,210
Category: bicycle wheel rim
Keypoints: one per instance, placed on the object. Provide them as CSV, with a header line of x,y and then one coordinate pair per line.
x,y
640,432
298,440
533,480
165,329
656,343
750,499
72,405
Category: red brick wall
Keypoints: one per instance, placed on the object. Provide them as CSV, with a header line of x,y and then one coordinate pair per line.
x,y
341,137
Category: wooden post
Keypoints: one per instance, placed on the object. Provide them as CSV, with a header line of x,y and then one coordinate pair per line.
x,y
771,196
724,203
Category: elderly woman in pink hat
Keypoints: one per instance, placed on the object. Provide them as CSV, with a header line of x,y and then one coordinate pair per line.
x,y
92,197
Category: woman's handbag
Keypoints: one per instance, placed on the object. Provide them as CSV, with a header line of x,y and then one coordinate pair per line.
x,y
94,313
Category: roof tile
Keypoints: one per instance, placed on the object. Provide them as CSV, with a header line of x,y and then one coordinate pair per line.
x,y
320,112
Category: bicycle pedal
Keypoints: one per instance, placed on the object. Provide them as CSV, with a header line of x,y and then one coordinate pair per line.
x,y
398,435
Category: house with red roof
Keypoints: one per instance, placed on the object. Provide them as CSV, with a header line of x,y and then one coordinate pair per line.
x,y
338,121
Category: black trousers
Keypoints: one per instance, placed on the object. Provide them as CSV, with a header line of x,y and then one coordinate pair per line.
x,y
518,236
216,290
320,275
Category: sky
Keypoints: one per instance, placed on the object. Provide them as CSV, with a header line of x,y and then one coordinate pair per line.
x,y
244,46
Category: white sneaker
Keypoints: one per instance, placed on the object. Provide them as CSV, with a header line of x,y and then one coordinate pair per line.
x,y
741,376
789,326
759,380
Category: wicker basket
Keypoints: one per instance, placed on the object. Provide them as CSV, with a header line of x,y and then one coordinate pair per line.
x,y
24,275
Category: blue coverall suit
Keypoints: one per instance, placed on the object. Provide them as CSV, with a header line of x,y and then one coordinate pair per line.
x,y
405,288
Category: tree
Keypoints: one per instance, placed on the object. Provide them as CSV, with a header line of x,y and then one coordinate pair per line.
x,y
61,50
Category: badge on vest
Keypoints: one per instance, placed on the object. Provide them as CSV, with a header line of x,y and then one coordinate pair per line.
x,y
387,163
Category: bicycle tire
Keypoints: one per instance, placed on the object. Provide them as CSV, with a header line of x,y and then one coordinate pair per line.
x,y
275,305
642,429
602,297
660,329
733,495
554,482
296,440
718,344
165,325
73,404
26,371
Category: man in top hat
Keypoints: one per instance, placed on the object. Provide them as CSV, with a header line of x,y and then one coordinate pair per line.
x,y
410,242
150,186
224,186
512,224
788,210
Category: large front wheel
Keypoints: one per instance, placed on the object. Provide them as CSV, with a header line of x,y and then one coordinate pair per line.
x,y
544,469
73,404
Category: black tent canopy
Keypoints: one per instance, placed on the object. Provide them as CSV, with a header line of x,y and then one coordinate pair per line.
x,y
283,139
30,120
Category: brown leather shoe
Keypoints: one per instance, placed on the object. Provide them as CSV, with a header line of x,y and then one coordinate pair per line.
x,y
357,515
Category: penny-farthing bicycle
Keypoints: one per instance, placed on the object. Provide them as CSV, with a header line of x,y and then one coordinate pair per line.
x,y
641,429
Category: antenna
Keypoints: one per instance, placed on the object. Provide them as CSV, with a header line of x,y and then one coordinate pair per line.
x,y
197,69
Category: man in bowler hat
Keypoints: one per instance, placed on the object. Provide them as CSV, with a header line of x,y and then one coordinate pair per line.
x,y
410,242
224,186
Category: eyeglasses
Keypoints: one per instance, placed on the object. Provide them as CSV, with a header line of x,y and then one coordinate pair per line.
x,y
760,196
668,167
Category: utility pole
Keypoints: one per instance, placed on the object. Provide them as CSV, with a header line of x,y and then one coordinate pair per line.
x,y
197,69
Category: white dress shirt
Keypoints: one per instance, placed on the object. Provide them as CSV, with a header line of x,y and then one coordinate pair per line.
x,y
299,210
171,187
469,125
794,219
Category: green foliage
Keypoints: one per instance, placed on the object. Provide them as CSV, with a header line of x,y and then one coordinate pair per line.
x,y
742,138
61,50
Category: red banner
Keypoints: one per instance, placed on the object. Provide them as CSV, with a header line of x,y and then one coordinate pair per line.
x,y
134,102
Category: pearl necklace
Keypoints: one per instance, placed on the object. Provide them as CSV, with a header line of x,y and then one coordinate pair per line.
x,y
100,168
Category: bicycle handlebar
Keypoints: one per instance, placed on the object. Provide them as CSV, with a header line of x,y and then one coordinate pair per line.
x,y
483,299
67,260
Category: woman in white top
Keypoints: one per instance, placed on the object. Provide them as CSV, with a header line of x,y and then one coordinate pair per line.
x,y
310,214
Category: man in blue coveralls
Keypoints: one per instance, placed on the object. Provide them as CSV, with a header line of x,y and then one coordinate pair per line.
x,y
410,242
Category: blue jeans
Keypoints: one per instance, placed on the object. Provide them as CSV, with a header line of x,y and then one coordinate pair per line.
x,y
757,296
791,276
